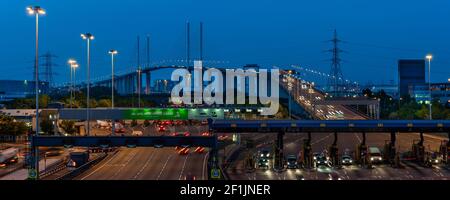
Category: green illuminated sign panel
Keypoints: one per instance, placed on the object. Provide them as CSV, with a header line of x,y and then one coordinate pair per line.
x,y
156,114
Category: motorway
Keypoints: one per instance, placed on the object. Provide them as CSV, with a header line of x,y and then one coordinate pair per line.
x,y
305,94
346,142
151,163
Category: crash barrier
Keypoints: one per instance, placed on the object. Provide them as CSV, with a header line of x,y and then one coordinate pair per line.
x,y
101,150
54,168
72,174
13,138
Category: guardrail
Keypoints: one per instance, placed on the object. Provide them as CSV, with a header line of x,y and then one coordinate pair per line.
x,y
53,169
72,174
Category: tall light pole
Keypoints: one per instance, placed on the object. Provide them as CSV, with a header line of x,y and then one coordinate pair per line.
x,y
429,57
113,53
73,65
88,37
36,11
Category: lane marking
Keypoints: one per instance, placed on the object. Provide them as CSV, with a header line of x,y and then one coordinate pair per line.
x,y
184,166
204,166
134,153
145,165
104,164
164,167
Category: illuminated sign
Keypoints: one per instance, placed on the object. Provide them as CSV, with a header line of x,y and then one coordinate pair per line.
x,y
156,114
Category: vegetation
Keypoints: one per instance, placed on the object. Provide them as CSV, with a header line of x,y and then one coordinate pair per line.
x,y
8,126
407,108
47,126
68,126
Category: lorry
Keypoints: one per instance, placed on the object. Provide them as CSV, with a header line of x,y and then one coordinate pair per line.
x,y
8,156
78,158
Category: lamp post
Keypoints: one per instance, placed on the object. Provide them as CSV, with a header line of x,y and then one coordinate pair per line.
x,y
36,11
113,53
88,37
73,65
429,57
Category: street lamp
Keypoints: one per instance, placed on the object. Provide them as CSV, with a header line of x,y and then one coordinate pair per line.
x,y
73,65
36,11
112,52
88,37
429,57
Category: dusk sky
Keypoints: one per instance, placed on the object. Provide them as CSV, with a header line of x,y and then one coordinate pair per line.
x,y
266,32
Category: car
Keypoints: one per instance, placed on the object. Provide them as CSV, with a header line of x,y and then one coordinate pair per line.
x,y
206,134
300,177
190,177
292,162
137,133
347,160
435,158
263,163
322,160
265,153
334,176
162,128
181,134
315,155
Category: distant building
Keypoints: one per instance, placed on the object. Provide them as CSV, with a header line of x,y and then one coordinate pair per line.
x,y
163,86
391,90
14,89
440,91
411,72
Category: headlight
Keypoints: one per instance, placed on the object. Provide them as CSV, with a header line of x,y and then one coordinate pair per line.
x,y
268,155
351,161
371,159
262,155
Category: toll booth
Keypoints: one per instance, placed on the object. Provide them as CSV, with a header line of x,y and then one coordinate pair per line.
x,y
278,151
307,158
418,151
250,160
443,151
334,152
390,149
361,153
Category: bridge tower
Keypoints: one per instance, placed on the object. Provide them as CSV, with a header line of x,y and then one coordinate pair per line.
x,y
336,79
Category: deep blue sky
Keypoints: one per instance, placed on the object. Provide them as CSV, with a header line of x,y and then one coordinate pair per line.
x,y
266,32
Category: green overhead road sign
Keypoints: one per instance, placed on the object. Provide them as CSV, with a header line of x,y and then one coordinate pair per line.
x,y
156,114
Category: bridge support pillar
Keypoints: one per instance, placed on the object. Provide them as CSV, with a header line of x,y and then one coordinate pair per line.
x,y
334,151
147,83
278,158
307,159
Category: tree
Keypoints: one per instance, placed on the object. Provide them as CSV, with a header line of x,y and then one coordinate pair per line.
x,y
47,126
8,126
104,103
68,127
